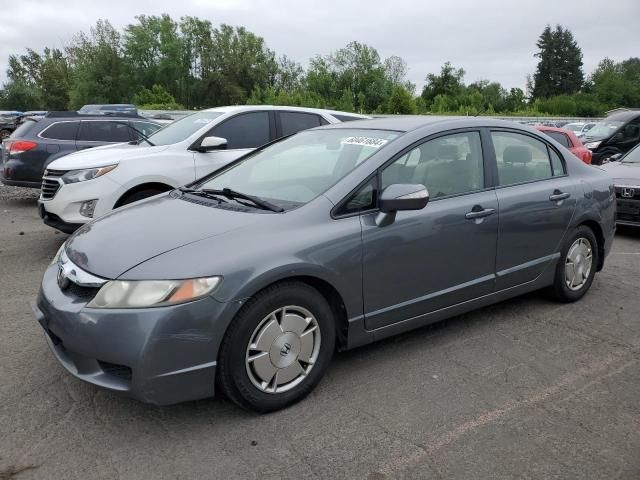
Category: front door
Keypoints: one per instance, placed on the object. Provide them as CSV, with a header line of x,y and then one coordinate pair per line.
x,y
243,133
443,254
537,201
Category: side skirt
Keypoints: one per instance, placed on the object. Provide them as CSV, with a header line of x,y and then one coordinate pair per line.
x,y
358,335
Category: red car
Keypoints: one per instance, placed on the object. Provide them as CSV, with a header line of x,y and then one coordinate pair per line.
x,y
568,139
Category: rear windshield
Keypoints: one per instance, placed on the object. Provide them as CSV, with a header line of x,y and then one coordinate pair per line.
x,y
23,129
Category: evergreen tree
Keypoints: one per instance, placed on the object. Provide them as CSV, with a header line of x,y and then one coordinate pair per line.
x,y
559,70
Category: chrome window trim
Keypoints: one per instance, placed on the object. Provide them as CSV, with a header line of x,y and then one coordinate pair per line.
x,y
39,135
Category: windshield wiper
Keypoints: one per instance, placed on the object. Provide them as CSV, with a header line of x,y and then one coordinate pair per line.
x,y
227,192
203,193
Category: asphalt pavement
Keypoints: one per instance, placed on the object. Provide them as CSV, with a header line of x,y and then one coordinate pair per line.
x,y
527,389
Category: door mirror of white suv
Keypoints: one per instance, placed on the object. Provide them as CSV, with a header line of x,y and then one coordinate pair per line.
x,y
212,143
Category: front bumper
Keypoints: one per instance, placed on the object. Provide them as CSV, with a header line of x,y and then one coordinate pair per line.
x,y
55,221
159,355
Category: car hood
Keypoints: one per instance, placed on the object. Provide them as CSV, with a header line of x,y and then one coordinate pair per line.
x,y
126,237
101,156
623,173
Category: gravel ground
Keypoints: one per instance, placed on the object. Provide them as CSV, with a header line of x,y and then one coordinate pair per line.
x,y
17,193
526,389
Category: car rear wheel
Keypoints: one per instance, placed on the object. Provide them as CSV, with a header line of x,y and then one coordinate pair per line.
x,y
577,266
5,134
277,348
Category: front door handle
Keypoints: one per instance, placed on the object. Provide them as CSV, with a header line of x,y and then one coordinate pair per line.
x,y
473,214
558,196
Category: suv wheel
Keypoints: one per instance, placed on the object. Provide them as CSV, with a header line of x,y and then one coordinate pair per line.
x,y
277,348
577,266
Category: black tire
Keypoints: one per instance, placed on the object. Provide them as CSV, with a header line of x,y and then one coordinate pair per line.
x,y
140,195
560,288
233,377
5,133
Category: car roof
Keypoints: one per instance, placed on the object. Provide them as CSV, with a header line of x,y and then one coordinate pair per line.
x,y
624,116
247,108
406,123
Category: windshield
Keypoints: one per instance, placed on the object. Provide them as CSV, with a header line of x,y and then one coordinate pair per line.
x,y
605,128
298,169
632,157
182,129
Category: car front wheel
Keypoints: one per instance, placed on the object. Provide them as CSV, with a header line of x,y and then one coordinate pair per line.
x,y
577,266
277,348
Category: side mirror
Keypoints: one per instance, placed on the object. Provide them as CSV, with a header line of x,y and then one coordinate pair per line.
x,y
400,196
615,157
212,143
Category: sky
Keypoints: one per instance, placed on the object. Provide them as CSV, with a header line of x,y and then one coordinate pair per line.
x,y
492,39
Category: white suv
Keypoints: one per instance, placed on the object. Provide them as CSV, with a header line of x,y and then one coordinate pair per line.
x,y
88,184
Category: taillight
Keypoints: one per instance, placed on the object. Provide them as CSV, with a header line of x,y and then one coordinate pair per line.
x,y
20,146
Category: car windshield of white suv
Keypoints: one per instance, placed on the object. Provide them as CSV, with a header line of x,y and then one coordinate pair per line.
x,y
632,157
605,128
298,169
182,129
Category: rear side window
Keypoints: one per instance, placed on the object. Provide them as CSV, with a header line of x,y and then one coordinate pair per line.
x,y
293,122
522,158
104,131
248,130
559,137
23,129
61,131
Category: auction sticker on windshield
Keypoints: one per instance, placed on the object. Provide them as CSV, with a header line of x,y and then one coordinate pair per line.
x,y
364,141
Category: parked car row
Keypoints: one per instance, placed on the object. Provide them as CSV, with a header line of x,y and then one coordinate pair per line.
x,y
297,233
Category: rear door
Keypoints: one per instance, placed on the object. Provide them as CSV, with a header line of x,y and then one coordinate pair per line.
x,y
243,132
55,141
94,133
288,123
537,200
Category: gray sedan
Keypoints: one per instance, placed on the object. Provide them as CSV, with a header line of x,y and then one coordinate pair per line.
x,y
249,279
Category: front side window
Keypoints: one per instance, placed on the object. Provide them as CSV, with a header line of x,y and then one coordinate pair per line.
x,y
298,169
61,131
146,128
247,130
294,122
520,158
448,165
104,131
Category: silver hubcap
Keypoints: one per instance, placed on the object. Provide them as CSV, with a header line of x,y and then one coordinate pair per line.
x,y
577,267
283,349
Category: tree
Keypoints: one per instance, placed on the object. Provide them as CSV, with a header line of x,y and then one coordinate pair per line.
x,y
559,70
400,101
54,80
449,82
99,71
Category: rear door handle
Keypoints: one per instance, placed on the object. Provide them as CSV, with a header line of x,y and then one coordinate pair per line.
x,y
473,214
557,196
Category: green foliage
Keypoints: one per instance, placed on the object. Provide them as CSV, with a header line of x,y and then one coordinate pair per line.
x,y
158,62
157,94
559,70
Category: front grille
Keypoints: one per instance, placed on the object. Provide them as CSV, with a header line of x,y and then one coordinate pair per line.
x,y
120,371
634,190
80,291
50,183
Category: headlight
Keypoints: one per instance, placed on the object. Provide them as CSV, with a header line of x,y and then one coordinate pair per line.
x,y
152,293
75,176
57,255
592,145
